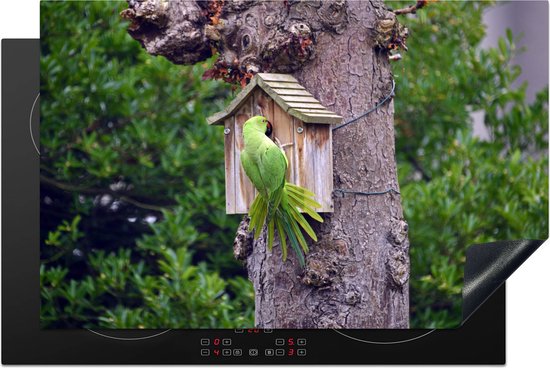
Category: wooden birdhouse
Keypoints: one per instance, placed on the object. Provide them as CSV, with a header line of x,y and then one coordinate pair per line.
x,y
301,124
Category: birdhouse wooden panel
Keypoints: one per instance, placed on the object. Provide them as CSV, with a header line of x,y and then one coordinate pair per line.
x,y
301,125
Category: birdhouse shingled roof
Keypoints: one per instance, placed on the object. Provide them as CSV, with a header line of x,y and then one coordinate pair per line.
x,y
285,90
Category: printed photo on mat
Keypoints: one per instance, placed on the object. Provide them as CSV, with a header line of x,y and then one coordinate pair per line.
x,y
283,164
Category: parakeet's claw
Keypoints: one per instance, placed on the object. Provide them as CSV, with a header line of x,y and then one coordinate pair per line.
x,y
281,145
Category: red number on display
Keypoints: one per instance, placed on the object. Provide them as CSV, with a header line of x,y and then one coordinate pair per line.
x,y
290,352
216,341
216,352
291,341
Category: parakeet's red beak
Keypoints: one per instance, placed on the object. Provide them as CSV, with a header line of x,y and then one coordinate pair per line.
x,y
269,129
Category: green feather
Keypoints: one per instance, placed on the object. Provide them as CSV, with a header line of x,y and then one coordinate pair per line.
x,y
270,234
298,233
293,241
292,200
299,189
303,200
274,201
253,214
282,237
262,213
302,222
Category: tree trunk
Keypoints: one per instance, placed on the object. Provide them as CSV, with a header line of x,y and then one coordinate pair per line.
x,y
356,275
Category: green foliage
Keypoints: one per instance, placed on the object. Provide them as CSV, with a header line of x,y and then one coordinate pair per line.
x,y
133,228
459,190
133,224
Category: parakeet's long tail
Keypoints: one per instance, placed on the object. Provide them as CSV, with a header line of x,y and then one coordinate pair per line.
x,y
287,219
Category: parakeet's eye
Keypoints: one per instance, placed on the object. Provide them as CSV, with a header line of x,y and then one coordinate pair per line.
x,y
269,129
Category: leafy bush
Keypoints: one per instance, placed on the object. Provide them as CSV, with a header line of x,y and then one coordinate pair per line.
x,y
133,224
458,190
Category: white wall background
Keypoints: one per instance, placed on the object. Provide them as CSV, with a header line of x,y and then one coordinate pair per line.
x,y
528,21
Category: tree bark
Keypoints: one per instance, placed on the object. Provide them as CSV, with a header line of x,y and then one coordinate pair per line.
x,y
356,275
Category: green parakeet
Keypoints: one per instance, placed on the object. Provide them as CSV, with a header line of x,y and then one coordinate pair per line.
x,y
278,203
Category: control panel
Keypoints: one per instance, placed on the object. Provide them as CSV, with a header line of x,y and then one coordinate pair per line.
x,y
254,343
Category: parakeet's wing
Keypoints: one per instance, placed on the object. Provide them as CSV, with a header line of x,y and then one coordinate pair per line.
x,y
252,171
278,143
272,166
